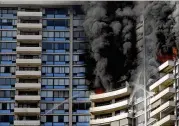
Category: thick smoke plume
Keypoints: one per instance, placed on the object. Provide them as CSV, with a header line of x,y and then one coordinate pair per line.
x,y
110,27
159,36
117,54
176,26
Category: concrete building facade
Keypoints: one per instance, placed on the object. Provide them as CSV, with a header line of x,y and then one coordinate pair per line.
x,y
42,77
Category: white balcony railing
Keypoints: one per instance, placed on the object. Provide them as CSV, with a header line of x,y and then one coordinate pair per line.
x,y
32,74
110,108
29,26
29,86
110,95
25,14
28,98
27,50
26,122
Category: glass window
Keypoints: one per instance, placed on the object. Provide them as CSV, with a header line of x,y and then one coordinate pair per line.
x,y
83,118
43,93
50,81
49,93
66,119
55,118
50,34
43,106
50,23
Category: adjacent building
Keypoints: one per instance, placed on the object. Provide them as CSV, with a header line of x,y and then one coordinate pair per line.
x,y
42,73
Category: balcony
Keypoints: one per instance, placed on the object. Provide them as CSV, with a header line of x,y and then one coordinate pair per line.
x,y
165,81
166,67
29,26
28,98
166,121
27,86
26,122
110,119
28,74
110,95
29,62
29,50
164,108
110,108
29,38
165,94
27,111
27,15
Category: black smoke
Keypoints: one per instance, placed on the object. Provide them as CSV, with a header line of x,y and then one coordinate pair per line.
x,y
160,37
110,28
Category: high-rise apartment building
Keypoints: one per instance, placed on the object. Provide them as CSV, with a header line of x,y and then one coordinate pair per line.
x,y
155,104
42,73
42,64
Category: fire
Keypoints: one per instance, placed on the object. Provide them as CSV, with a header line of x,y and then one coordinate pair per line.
x,y
99,90
167,56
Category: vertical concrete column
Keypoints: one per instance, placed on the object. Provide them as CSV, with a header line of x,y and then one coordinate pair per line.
x,y
176,86
71,69
92,104
113,101
116,123
39,80
18,44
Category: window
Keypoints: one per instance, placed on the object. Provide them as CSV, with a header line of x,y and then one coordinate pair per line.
x,y
81,94
77,34
61,22
7,45
48,58
8,24
62,34
49,93
78,81
78,22
7,81
6,118
66,119
47,81
62,11
43,106
61,81
7,69
47,70
80,46
56,46
61,46
6,94
55,118
49,118
8,57
61,69
61,94
83,118
78,58
9,33
6,106
55,94
78,69
80,106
